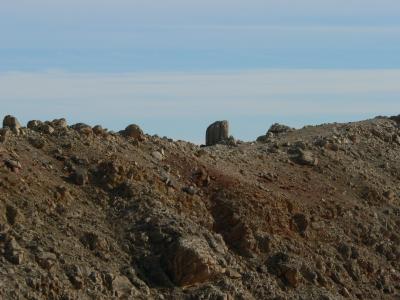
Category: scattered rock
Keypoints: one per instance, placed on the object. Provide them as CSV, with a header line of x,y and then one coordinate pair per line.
x,y
217,132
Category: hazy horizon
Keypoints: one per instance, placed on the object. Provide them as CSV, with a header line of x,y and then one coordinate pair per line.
x,y
174,67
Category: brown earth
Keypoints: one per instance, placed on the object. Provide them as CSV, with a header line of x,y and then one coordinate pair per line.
x,y
312,213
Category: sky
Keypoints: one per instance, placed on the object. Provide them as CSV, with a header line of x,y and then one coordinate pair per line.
x,y
175,66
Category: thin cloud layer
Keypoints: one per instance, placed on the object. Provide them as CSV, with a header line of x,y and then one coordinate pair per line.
x,y
118,98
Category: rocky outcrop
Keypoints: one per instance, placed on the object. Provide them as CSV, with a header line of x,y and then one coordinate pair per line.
x,y
217,132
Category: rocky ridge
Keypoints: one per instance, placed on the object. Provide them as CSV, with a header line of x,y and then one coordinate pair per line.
x,y
312,213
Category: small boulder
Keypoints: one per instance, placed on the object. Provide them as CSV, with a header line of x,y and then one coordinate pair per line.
x,y
12,123
217,132
133,131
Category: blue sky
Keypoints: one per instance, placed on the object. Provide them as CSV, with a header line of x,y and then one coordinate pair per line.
x,y
163,64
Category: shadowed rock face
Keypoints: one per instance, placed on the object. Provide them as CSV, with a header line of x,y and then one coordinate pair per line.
x,y
217,132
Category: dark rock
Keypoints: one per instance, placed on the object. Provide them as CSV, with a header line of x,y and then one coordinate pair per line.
x,y
217,132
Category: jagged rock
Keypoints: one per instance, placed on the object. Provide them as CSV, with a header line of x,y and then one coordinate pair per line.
x,y
217,132
133,131
12,123
191,261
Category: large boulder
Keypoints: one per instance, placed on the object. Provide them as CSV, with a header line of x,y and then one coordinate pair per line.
x,y
217,132
191,261
12,123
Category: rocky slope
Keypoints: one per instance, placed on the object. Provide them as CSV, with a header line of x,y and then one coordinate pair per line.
x,y
312,213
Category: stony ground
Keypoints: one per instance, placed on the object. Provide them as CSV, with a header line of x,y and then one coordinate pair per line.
x,y
312,213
